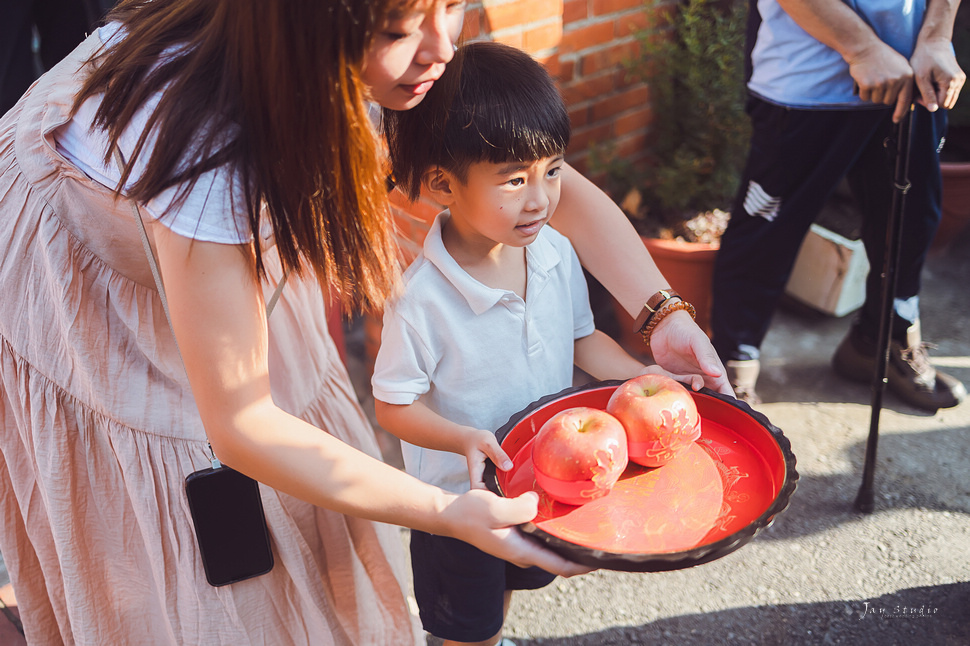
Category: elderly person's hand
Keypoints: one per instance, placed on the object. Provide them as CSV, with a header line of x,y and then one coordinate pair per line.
x,y
938,75
882,75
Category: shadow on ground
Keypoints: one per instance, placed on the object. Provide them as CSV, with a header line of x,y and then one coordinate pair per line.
x,y
931,615
825,501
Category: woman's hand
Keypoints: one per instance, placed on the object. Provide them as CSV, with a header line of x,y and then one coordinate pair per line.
x,y
680,346
479,445
694,381
488,522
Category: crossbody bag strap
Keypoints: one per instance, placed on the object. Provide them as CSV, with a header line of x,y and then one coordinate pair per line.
x,y
156,274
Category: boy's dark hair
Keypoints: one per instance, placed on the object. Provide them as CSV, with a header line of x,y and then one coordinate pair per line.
x,y
494,103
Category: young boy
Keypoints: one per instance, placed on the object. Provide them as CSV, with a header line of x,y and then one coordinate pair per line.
x,y
494,312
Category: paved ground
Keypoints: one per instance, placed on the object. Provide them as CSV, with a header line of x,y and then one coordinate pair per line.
x,y
823,573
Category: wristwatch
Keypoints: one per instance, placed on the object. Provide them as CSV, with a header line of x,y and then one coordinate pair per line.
x,y
653,304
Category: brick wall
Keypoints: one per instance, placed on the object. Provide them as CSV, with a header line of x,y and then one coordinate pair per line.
x,y
583,44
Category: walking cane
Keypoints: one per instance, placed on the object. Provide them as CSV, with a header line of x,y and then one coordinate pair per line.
x,y
894,236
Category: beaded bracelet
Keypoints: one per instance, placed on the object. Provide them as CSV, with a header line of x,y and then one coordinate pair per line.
x,y
661,314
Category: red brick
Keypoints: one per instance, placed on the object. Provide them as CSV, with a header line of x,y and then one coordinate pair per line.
x,y
583,38
608,58
574,11
588,88
633,121
567,71
630,23
473,26
520,12
604,7
578,117
552,64
612,105
583,137
542,37
513,38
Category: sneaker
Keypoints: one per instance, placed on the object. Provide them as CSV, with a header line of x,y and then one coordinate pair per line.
x,y
743,375
911,377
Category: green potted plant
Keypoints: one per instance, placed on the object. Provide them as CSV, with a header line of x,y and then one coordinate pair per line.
x,y
679,202
695,71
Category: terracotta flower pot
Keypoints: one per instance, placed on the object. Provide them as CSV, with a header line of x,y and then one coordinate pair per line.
x,y
689,266
956,203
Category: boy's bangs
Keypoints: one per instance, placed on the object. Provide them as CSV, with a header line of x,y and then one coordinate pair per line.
x,y
507,131
521,142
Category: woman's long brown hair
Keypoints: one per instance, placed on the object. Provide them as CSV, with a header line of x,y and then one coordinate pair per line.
x,y
273,90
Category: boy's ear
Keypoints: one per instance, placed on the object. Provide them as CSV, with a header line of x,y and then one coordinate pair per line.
x,y
438,183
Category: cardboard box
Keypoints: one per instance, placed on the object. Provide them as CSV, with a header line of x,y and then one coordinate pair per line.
x,y
830,273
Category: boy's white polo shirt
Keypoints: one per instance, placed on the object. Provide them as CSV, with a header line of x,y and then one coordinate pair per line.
x,y
474,354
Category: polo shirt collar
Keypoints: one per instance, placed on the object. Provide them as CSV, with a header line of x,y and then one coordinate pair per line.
x,y
540,257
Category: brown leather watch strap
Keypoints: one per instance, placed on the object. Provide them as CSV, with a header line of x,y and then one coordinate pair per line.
x,y
653,304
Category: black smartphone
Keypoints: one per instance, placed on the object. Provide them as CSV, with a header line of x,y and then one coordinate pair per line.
x,y
229,525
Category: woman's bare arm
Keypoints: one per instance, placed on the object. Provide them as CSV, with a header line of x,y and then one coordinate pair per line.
x,y
610,248
218,316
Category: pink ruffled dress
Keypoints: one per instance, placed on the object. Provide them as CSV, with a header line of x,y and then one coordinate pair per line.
x,y
98,429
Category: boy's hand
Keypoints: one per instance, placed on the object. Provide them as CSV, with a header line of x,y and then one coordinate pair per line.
x,y
479,445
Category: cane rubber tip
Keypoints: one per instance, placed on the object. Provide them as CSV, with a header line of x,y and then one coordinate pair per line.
x,y
864,502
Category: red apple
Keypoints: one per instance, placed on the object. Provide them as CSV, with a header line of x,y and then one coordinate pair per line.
x,y
579,454
659,416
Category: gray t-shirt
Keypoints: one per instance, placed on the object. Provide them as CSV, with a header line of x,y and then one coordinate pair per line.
x,y
792,68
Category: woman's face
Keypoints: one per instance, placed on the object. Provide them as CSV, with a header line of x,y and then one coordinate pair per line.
x,y
410,51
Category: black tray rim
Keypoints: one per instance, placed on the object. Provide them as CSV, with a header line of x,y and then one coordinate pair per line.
x,y
661,561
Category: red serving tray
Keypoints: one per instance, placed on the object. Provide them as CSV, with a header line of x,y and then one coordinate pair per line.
x,y
702,505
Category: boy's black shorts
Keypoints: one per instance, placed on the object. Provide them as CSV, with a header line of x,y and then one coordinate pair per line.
x,y
461,590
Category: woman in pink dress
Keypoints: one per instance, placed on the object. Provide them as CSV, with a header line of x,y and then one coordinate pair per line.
x,y
247,146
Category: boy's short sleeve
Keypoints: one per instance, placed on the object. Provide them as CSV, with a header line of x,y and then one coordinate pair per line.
x,y
404,364
583,323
